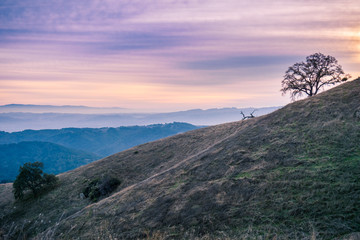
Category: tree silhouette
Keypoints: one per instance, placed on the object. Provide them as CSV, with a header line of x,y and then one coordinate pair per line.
x,y
310,76
249,116
31,177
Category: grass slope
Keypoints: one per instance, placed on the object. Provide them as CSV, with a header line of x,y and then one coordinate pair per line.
x,y
56,158
292,174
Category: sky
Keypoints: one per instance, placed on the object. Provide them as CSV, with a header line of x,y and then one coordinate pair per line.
x,y
167,55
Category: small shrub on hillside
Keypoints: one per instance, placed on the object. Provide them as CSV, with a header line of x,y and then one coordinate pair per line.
x,y
100,187
50,180
32,178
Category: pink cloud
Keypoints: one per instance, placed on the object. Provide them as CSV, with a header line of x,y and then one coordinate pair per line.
x,y
153,49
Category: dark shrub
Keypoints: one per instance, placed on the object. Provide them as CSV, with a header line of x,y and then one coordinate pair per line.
x,y
50,180
31,177
98,188
107,185
90,188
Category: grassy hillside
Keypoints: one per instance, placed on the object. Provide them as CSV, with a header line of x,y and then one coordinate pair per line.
x,y
99,141
56,158
292,174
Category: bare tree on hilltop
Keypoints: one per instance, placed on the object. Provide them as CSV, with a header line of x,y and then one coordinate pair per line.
x,y
310,76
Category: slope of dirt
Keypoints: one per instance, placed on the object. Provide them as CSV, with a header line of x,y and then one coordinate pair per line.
x,y
292,174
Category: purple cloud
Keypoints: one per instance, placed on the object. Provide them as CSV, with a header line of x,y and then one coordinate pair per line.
x,y
164,44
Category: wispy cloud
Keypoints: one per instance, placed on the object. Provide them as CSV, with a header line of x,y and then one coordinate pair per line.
x,y
240,62
172,46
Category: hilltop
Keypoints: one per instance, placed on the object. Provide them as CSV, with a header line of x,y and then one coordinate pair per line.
x,y
291,174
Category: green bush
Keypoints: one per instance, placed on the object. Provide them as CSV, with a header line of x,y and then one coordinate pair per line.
x,y
100,187
31,177
50,180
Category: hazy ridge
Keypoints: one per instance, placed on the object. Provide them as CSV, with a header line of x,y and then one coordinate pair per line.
x,y
56,158
64,149
23,118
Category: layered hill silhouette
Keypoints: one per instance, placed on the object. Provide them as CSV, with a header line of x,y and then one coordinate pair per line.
x,y
12,120
100,141
56,158
65,149
291,174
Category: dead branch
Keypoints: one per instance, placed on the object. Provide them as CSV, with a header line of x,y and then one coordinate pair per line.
x,y
249,116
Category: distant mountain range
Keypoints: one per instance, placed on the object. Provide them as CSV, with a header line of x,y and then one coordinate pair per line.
x,y
65,149
56,158
59,109
17,117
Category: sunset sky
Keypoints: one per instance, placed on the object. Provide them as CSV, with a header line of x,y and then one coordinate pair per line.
x,y
167,55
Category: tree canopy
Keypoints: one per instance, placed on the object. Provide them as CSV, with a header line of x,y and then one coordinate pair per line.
x,y
310,76
31,177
